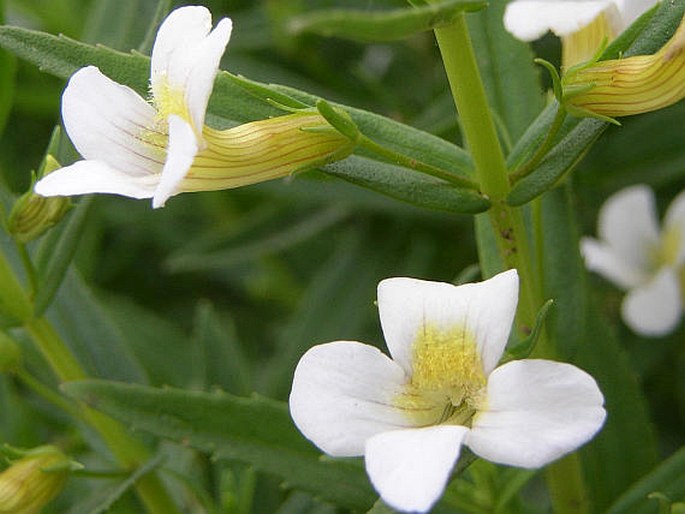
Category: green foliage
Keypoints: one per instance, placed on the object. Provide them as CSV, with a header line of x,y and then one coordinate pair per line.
x,y
254,430
375,26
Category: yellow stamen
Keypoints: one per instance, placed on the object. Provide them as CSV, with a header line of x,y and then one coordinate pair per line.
x,y
448,381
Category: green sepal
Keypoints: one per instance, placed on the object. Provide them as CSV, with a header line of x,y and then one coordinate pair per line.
x,y
339,119
554,75
524,348
381,26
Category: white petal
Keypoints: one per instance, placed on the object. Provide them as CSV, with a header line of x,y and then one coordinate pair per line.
x,y
182,149
107,122
485,310
601,258
628,223
186,57
674,220
654,309
531,19
91,176
410,468
342,394
537,411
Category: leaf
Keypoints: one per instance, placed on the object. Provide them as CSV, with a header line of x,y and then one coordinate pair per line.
x,y
506,64
276,234
380,26
91,334
8,67
582,336
408,186
568,288
558,162
102,500
55,253
255,430
667,478
223,361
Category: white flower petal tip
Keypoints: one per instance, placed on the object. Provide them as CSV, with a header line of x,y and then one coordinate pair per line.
x,y
530,19
185,61
92,176
410,468
342,394
485,310
538,411
654,309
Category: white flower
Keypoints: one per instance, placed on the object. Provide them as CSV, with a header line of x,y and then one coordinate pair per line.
x,y
641,259
409,415
131,147
531,19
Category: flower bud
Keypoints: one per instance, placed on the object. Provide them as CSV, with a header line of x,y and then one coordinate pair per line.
x,y
634,85
10,354
34,479
32,214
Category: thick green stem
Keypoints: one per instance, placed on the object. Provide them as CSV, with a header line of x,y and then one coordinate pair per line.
x,y
564,478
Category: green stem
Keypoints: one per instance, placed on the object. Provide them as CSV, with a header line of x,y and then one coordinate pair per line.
x,y
128,452
564,478
481,135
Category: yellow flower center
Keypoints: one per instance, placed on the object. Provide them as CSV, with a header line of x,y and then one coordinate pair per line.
x,y
666,254
168,101
448,383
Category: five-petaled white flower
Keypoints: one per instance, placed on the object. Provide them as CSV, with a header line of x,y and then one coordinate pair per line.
x,y
409,415
530,19
639,258
131,147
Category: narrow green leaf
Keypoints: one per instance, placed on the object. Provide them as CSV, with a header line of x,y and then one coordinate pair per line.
x,y
610,469
56,252
88,329
103,500
560,251
256,430
558,162
667,478
62,56
223,361
275,234
408,186
658,31
381,26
